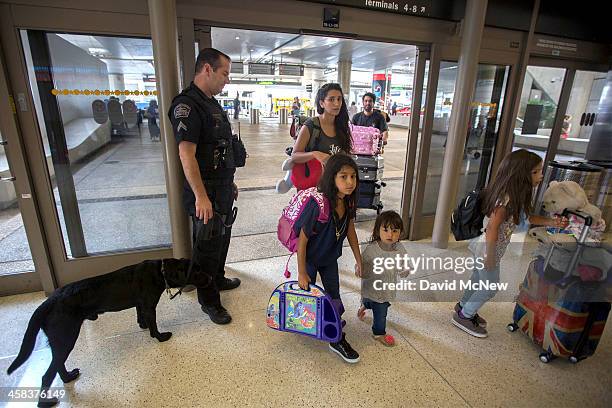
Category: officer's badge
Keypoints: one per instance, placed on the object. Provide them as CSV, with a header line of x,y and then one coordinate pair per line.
x,y
181,111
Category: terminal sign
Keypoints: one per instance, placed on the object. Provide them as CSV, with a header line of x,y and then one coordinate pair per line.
x,y
261,69
295,70
412,7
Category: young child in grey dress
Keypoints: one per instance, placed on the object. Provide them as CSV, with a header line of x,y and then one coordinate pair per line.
x,y
376,275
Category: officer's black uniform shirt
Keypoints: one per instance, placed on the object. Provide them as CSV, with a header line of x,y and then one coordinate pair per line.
x,y
194,116
376,119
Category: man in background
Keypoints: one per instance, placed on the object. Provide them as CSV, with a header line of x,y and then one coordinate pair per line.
x,y
371,116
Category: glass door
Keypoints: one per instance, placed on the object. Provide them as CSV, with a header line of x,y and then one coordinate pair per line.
x,y
15,254
580,115
540,98
20,271
481,138
95,99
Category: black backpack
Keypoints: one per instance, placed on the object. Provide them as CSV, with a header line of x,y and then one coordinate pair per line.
x,y
466,220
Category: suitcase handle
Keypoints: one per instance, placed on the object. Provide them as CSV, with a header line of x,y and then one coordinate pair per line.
x,y
588,220
294,286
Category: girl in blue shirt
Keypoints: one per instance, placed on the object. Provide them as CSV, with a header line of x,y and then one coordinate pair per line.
x,y
320,244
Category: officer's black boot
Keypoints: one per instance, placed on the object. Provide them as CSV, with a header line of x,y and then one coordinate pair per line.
x,y
228,284
217,314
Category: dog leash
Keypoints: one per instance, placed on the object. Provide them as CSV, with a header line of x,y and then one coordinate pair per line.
x,y
163,269
168,288
163,272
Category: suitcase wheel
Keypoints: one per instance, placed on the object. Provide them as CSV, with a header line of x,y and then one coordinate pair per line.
x,y
512,327
546,357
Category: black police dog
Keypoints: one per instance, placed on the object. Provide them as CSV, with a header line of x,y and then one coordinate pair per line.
x,y
63,313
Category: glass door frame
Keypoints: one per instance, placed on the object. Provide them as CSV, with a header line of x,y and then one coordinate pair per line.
x,y
15,18
566,89
423,55
421,226
202,35
40,278
568,81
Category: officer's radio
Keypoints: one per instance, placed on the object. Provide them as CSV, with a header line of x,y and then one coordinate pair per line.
x,y
229,152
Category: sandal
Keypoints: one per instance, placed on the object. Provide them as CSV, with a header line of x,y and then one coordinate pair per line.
x,y
386,339
361,313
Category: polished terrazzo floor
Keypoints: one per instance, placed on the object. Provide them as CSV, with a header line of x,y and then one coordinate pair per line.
x,y
247,364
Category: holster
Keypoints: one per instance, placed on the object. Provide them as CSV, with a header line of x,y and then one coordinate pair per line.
x,y
218,225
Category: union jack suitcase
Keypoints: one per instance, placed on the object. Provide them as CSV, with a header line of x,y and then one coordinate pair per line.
x,y
556,319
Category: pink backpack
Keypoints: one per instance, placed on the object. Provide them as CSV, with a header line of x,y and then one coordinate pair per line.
x,y
285,232
366,140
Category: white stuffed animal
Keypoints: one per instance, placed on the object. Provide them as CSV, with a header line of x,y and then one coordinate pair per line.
x,y
568,194
285,184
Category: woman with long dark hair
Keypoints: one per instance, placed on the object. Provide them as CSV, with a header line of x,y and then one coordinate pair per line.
x,y
328,133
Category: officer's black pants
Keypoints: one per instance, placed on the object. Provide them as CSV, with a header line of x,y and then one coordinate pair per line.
x,y
210,252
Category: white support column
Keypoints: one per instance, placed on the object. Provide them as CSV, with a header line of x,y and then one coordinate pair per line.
x,y
472,28
344,76
162,14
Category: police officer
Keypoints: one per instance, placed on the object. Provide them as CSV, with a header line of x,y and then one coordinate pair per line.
x,y
209,155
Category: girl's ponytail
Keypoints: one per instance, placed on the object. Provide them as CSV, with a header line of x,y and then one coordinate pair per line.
x,y
512,181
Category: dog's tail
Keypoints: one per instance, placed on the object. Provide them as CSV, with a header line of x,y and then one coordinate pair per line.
x,y
29,338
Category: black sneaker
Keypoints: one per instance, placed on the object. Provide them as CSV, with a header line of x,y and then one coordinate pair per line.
x,y
229,284
469,325
344,350
217,314
481,322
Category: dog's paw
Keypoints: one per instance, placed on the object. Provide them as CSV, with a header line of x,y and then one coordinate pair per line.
x,y
164,337
143,325
92,317
72,375
47,402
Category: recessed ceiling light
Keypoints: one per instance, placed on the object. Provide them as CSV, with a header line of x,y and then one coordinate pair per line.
x,y
252,50
369,52
237,37
289,52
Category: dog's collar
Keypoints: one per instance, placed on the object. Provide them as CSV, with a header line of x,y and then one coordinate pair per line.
x,y
168,291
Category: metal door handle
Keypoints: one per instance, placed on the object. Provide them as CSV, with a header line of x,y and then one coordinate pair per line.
x,y
7,179
3,142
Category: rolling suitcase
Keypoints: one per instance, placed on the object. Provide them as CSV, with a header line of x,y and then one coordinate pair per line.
x,y
370,170
557,309
369,195
370,167
310,313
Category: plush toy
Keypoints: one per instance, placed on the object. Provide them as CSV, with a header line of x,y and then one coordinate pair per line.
x,y
568,194
285,184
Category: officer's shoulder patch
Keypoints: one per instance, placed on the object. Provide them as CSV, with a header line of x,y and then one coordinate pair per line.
x,y
181,110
